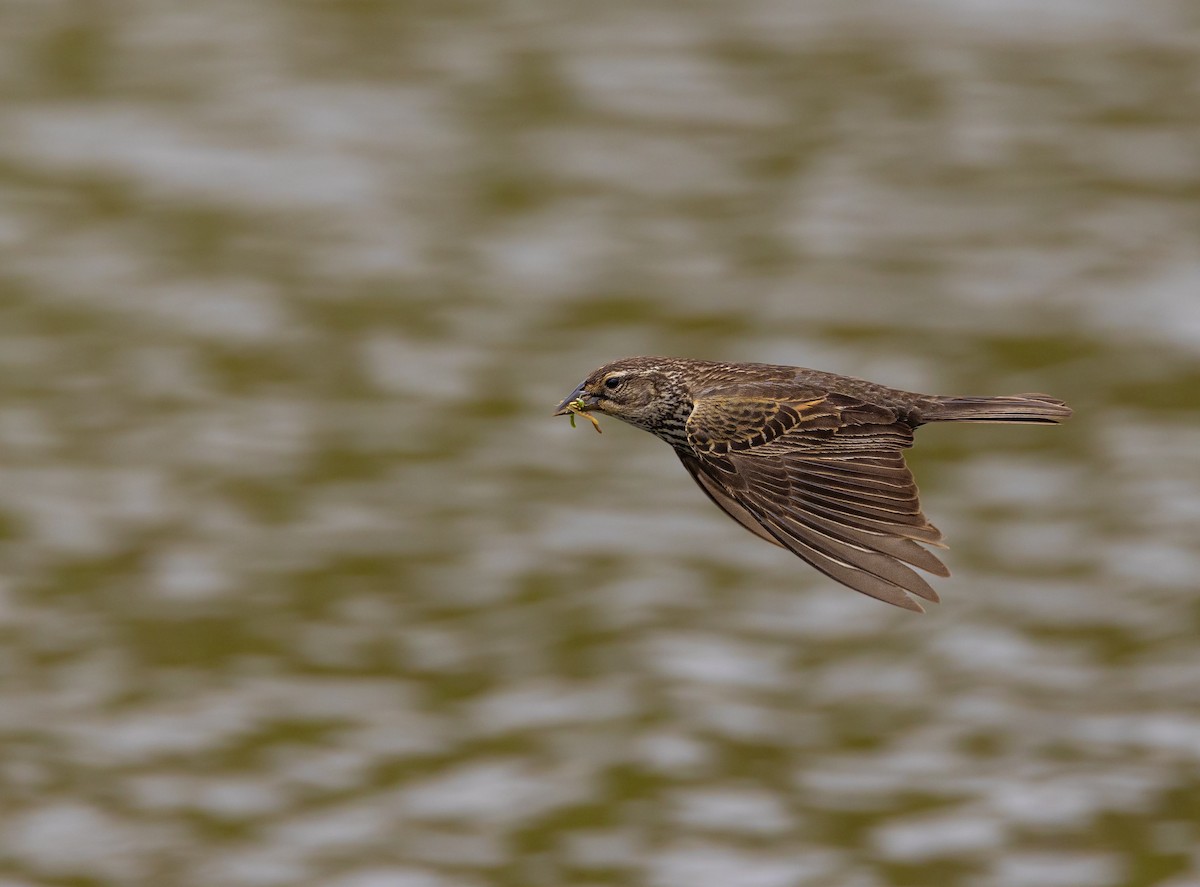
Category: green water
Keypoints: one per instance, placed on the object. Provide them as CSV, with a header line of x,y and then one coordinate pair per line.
x,y
302,585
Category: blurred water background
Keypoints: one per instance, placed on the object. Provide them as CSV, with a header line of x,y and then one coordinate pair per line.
x,y
301,585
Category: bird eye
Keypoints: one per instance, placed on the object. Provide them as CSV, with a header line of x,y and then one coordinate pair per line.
x,y
612,382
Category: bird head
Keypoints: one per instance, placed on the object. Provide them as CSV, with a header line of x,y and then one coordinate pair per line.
x,y
646,392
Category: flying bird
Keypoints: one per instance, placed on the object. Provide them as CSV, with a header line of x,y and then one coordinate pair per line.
x,y
807,460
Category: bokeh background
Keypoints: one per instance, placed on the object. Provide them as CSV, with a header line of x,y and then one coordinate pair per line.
x,y
301,585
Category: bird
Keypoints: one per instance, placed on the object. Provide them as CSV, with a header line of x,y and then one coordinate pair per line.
x,y
808,460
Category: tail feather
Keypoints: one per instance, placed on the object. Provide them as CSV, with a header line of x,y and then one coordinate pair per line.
x,y
1040,409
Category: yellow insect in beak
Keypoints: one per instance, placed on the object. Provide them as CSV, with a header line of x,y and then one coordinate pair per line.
x,y
578,408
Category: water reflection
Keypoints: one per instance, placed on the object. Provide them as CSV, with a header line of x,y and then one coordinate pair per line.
x,y
303,585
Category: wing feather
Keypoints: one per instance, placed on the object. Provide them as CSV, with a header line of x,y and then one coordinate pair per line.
x,y
827,481
722,499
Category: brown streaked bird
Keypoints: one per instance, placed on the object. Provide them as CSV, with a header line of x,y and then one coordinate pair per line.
x,y
810,461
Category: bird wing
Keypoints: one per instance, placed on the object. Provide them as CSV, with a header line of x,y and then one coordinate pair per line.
x,y
824,478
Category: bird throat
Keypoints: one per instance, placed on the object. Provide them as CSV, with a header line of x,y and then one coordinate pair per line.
x,y
671,423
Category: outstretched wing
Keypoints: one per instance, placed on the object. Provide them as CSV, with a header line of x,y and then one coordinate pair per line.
x,y
824,478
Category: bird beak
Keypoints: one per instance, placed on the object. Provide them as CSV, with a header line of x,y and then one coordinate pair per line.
x,y
589,401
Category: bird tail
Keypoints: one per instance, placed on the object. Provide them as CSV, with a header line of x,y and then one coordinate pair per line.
x,y
1040,409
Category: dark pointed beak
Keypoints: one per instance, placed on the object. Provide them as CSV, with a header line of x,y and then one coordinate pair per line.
x,y
589,401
